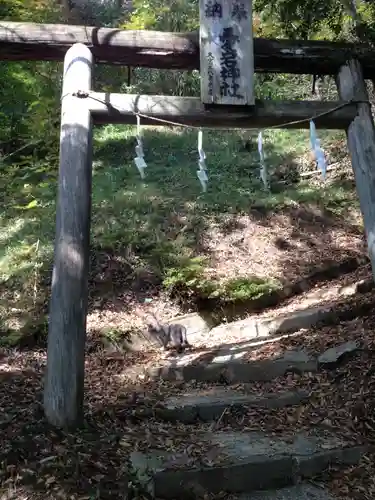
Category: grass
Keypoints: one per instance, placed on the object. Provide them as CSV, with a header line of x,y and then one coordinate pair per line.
x,y
157,224
189,278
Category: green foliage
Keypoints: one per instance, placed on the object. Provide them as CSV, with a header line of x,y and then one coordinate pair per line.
x,y
109,13
30,91
154,225
328,19
190,278
40,11
298,19
244,288
175,15
114,338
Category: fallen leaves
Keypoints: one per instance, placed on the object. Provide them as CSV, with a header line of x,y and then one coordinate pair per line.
x,y
41,462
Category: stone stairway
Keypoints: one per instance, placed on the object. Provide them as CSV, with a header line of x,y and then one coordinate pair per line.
x,y
241,462
244,463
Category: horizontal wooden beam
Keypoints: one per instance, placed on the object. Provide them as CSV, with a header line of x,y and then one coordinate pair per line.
x,y
154,49
121,108
50,42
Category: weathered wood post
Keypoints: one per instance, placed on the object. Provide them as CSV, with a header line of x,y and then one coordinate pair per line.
x,y
361,144
226,52
63,392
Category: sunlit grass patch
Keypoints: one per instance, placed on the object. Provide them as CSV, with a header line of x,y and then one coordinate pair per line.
x,y
158,223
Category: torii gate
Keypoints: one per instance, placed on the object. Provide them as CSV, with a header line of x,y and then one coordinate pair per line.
x,y
227,101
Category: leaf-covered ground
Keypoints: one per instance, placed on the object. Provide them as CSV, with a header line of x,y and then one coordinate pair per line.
x,y
142,235
40,462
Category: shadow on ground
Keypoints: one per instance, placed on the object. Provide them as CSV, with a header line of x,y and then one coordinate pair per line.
x,y
143,231
43,462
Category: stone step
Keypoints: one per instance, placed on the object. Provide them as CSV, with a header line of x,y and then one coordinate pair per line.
x,y
255,329
231,367
224,369
207,405
297,492
240,462
319,306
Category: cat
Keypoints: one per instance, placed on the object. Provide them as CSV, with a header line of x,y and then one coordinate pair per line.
x,y
172,336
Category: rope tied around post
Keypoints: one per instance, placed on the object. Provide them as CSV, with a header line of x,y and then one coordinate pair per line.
x,y
82,94
64,382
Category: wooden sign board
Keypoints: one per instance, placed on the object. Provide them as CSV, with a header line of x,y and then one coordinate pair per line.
x,y
226,52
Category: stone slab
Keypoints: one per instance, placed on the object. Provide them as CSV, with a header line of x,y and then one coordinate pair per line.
x,y
333,354
362,286
209,404
250,328
195,324
242,462
231,352
223,369
297,492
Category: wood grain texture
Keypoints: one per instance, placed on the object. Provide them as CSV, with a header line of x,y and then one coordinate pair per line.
x,y
154,49
361,144
122,108
63,394
31,41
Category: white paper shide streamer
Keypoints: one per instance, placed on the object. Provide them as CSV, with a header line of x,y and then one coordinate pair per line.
x,y
263,168
317,150
202,172
139,159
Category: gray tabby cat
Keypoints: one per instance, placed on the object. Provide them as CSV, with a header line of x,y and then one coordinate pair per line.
x,y
173,336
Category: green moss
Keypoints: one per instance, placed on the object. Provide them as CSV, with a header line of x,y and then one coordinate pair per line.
x,y
246,288
189,278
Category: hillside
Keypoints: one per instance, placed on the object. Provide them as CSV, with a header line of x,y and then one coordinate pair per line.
x,y
165,242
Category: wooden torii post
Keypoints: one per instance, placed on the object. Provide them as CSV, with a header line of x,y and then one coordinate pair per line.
x,y
64,381
221,108
361,145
